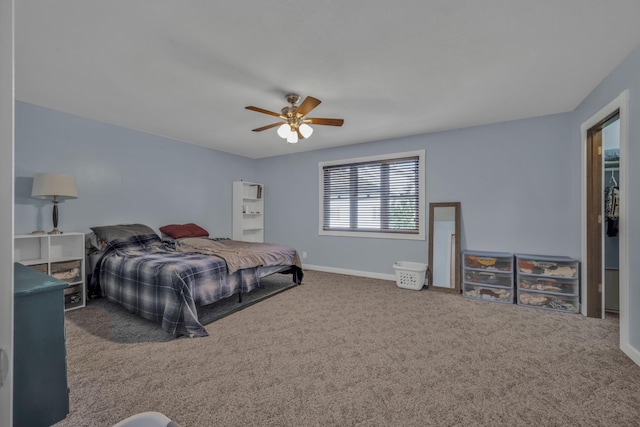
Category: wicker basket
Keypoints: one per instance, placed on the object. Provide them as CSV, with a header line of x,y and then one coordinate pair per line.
x,y
410,275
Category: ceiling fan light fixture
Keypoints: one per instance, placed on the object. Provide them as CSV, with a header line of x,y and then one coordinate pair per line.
x,y
296,125
306,130
284,130
292,138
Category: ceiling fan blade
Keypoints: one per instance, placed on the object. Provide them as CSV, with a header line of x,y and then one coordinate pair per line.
x,y
262,110
323,121
307,105
266,127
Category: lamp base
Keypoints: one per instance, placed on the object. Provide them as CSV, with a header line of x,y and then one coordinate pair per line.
x,y
55,217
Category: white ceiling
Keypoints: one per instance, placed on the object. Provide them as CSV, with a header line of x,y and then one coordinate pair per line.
x,y
186,69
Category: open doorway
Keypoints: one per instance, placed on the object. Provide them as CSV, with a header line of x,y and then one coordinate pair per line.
x,y
611,244
596,176
602,212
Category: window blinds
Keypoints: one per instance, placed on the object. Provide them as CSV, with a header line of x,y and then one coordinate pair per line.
x,y
379,196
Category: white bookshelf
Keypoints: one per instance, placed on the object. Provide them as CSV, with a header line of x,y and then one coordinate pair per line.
x,y
58,255
248,211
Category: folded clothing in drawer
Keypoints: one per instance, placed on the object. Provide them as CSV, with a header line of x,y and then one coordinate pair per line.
x,y
69,271
487,262
547,268
488,293
547,284
489,278
549,301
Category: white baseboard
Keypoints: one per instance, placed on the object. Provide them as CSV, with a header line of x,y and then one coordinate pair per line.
x,y
632,352
368,274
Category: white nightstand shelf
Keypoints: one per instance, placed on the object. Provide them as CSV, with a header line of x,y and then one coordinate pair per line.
x,y
57,255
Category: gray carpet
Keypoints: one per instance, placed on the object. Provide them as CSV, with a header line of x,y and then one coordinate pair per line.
x,y
124,327
269,286
349,351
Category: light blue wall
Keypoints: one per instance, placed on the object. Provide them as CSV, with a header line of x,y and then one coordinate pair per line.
x,y
625,76
123,176
518,183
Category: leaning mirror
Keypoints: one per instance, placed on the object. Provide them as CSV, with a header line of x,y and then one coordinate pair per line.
x,y
444,246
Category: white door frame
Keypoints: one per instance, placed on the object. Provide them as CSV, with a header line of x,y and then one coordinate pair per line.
x,y
7,106
621,104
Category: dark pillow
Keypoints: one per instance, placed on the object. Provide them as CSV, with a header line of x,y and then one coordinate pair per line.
x,y
108,233
179,231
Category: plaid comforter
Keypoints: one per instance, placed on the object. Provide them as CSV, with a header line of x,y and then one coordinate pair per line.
x,y
163,285
243,255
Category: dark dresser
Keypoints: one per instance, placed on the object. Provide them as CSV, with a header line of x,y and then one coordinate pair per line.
x,y
40,392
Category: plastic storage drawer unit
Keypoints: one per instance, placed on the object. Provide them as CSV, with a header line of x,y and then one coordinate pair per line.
x,y
488,276
548,282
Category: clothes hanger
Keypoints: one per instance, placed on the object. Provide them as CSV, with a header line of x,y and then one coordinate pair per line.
x,y
613,180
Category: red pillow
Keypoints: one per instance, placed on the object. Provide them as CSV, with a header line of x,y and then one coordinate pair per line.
x,y
178,231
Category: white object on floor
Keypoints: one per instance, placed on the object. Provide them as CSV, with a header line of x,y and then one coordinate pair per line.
x,y
410,275
146,419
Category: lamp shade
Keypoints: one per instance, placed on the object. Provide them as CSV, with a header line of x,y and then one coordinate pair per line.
x,y
51,186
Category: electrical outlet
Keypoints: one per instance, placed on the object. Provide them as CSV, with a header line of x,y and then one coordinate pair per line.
x,y
304,254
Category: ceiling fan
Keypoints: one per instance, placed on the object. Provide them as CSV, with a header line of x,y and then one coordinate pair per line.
x,y
296,125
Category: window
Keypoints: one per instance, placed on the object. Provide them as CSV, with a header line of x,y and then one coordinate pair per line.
x,y
380,196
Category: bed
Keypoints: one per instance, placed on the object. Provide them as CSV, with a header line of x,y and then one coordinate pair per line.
x,y
166,281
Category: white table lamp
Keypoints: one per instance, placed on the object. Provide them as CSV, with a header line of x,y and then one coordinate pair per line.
x,y
55,188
